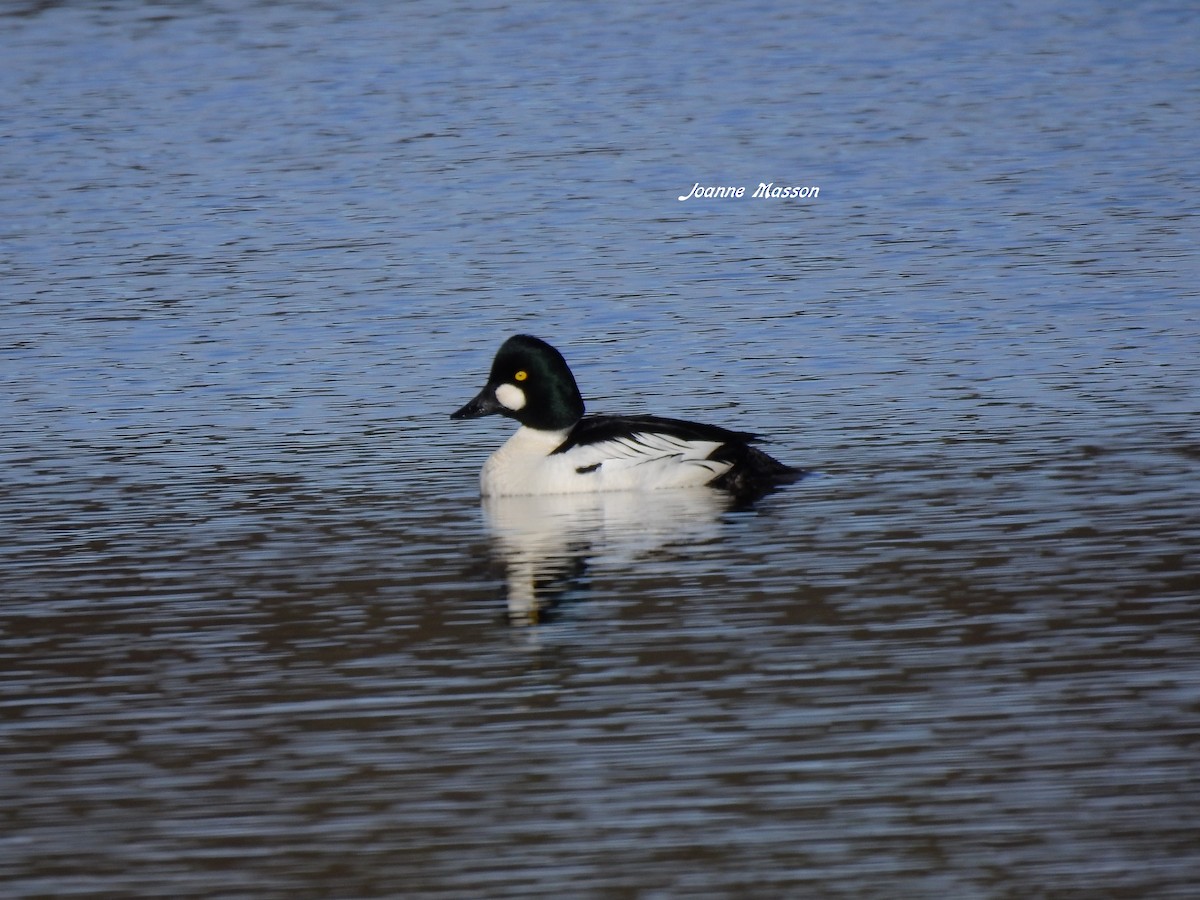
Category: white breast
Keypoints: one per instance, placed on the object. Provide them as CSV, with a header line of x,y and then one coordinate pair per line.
x,y
526,464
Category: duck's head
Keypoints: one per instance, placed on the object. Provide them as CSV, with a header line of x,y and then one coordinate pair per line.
x,y
530,382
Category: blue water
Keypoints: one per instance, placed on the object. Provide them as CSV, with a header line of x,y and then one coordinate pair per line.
x,y
258,634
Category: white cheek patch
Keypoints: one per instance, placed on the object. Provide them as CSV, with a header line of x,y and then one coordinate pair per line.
x,y
510,397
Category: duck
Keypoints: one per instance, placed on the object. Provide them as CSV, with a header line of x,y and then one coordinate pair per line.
x,y
557,449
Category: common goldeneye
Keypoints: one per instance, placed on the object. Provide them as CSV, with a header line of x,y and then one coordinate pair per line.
x,y
559,450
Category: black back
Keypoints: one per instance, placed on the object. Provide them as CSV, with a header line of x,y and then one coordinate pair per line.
x,y
595,429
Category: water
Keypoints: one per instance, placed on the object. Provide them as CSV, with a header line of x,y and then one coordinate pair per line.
x,y
259,636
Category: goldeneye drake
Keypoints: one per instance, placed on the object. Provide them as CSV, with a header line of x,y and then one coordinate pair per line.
x,y
559,450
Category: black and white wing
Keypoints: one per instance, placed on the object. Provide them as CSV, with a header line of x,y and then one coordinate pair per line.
x,y
651,450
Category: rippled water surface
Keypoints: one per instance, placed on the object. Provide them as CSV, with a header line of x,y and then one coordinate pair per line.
x,y
260,637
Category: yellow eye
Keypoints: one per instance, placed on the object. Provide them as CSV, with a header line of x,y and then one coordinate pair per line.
x,y
521,376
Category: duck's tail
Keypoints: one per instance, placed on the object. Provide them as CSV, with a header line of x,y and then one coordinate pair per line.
x,y
753,472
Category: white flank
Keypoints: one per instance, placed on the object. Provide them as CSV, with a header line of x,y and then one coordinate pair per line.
x,y
526,464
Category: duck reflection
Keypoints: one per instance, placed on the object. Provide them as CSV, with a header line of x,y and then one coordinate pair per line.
x,y
546,543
